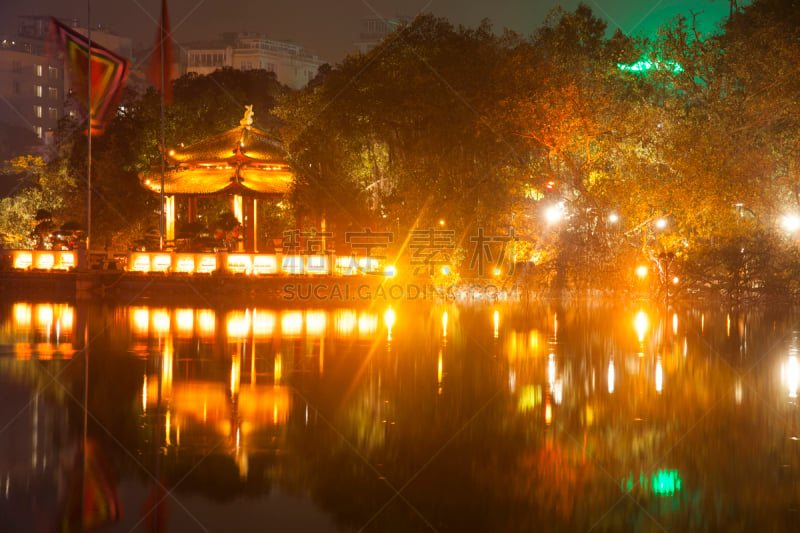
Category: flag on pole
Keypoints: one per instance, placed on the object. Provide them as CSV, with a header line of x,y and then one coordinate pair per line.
x,y
161,62
108,72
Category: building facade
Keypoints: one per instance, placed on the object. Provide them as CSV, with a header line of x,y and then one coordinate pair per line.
x,y
292,64
33,83
374,30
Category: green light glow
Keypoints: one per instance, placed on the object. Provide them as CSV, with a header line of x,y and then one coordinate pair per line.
x,y
661,483
644,65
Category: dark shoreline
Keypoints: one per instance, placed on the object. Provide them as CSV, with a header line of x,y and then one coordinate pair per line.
x,y
233,289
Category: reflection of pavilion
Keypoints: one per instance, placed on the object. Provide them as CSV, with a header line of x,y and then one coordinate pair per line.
x,y
244,162
221,376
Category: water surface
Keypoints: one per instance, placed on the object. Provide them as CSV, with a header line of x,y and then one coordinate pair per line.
x,y
423,417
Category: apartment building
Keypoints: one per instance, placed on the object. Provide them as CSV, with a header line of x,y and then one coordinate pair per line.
x,y
292,64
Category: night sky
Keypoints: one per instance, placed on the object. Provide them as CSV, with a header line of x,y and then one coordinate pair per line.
x,y
329,27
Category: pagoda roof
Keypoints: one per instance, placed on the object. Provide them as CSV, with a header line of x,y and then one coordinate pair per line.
x,y
243,160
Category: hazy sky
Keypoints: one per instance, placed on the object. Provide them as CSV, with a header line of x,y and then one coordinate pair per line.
x,y
329,27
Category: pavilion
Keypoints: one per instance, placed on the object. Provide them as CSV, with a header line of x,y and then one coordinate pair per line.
x,y
244,163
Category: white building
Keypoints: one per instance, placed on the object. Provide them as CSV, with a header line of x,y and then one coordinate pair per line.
x,y
292,64
374,30
33,82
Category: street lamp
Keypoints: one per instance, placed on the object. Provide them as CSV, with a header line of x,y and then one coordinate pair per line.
x,y
554,213
791,222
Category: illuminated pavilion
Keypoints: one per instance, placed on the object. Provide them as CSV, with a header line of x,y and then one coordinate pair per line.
x,y
244,163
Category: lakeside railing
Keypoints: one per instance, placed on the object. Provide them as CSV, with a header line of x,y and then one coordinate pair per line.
x,y
195,263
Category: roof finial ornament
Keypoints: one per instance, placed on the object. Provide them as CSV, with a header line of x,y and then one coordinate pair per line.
x,y
247,121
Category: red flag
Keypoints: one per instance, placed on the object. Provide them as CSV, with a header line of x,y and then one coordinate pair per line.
x,y
162,52
108,73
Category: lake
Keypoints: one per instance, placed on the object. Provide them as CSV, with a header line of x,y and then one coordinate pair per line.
x,y
414,416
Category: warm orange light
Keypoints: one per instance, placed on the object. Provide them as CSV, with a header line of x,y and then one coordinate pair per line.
x,y
265,264
45,260
23,260
66,260
316,322
140,262
240,263
611,376
641,323
161,322
206,323
184,263
345,322
641,271
389,319
44,316
317,264
184,322
263,324
367,324
659,376
291,323
238,325
439,372
22,315
161,262
206,264
292,264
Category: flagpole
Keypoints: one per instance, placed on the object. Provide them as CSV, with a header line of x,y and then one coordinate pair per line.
x,y
88,255
89,130
161,31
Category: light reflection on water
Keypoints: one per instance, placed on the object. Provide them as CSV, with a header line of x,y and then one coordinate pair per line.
x,y
490,419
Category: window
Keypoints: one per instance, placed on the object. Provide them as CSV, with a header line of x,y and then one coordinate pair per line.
x,y
53,92
52,72
52,113
38,131
15,87
37,91
16,66
38,71
37,110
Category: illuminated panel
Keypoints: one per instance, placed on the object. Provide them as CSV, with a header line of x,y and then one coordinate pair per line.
x,y
240,264
345,266
23,260
184,263
139,262
369,264
206,264
263,324
292,264
317,264
291,323
265,264
161,263
45,260
66,260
